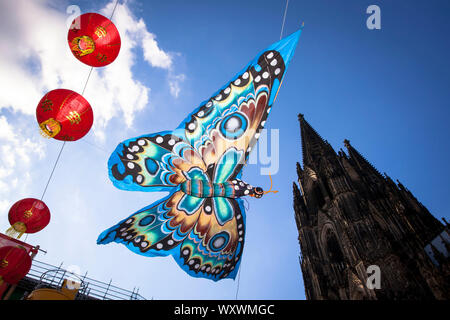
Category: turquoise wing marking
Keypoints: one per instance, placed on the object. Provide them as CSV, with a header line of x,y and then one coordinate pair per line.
x,y
214,253
223,209
227,164
158,228
204,235
234,116
153,162
189,204
198,244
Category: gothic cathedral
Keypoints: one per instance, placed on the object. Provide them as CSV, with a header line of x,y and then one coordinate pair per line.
x,y
363,236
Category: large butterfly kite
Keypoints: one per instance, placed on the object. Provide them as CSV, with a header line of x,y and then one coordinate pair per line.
x,y
201,223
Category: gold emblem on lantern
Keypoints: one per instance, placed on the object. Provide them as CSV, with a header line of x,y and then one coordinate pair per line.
x,y
50,128
101,57
66,138
100,32
47,105
74,117
83,45
28,213
3,263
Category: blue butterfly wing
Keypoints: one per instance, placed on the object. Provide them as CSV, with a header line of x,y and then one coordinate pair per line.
x,y
157,229
204,235
187,228
213,250
231,120
153,162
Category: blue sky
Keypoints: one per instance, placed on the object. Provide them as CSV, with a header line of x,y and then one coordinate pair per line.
x,y
384,90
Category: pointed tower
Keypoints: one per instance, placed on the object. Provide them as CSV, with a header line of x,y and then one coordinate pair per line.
x,y
313,146
361,235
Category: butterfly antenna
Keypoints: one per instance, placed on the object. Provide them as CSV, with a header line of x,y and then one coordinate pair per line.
x,y
271,185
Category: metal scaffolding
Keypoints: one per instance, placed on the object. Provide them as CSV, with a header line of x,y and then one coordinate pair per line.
x,y
44,275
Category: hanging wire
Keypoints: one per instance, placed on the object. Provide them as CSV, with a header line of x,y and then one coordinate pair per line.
x,y
114,10
89,75
281,35
284,19
53,170
239,280
87,80
64,143
94,145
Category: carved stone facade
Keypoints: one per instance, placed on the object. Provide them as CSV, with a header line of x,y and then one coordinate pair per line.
x,y
353,222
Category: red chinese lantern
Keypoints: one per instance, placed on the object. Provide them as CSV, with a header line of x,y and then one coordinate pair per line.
x,y
15,263
28,216
94,40
64,115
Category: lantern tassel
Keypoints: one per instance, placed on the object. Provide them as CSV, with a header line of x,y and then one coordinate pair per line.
x,y
16,230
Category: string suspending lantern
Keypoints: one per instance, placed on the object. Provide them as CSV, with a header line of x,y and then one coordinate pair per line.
x,y
64,115
27,216
94,39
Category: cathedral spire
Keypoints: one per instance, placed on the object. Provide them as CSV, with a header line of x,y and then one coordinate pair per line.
x,y
299,207
299,170
362,163
313,145
349,215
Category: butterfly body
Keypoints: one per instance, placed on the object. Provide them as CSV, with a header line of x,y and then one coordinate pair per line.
x,y
204,189
201,222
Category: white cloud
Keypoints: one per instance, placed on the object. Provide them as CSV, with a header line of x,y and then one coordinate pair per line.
x,y
154,55
175,84
18,150
4,207
137,30
6,131
35,58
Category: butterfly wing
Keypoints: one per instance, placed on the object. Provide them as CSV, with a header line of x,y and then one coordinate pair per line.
x,y
158,228
204,235
213,250
187,228
153,162
230,122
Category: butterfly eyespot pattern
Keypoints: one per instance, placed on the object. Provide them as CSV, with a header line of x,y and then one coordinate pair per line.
x,y
201,222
